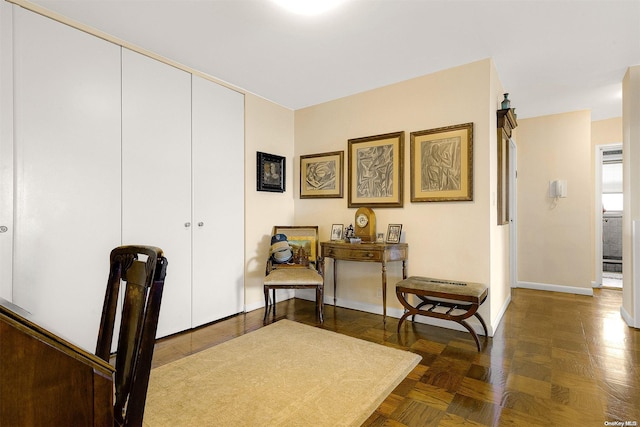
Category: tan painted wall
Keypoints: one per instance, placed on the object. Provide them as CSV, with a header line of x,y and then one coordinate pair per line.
x,y
449,240
607,131
555,238
268,128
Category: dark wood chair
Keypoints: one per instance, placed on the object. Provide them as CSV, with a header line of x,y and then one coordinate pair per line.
x,y
303,271
143,269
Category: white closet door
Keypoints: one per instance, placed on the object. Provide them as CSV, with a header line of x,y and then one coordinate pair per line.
x,y
156,174
67,172
218,202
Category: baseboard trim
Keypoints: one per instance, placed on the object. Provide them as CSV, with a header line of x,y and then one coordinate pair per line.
x,y
556,288
627,317
282,295
498,318
398,312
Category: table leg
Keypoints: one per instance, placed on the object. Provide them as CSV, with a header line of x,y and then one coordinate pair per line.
x,y
404,269
335,279
384,292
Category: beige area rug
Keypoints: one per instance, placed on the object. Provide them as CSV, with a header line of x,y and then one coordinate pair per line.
x,y
285,374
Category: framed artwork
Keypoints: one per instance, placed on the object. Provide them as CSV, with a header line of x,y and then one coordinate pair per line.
x,y
336,231
506,123
271,172
321,175
301,237
376,171
442,164
393,233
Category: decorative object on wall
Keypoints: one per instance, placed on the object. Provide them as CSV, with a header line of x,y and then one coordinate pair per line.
x,y
336,232
365,224
442,164
506,103
393,233
270,173
376,170
506,123
322,175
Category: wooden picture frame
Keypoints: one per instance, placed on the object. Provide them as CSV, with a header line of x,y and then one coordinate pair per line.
x,y
376,165
506,122
337,232
271,172
322,175
442,164
393,233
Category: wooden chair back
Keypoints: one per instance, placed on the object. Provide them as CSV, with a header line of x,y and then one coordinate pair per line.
x,y
144,280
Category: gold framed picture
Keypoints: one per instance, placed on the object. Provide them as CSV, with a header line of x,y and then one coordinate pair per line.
x,y
376,171
442,164
321,175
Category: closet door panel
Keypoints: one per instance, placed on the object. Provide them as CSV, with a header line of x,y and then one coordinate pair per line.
x,y
218,201
156,161
67,173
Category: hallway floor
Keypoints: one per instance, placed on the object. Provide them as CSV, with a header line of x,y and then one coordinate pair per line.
x,y
612,280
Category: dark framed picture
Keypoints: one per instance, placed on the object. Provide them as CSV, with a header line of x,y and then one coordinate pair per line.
x,y
321,175
376,171
393,233
271,172
336,231
442,164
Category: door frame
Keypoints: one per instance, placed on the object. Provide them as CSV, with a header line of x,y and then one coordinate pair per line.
x,y
513,213
599,154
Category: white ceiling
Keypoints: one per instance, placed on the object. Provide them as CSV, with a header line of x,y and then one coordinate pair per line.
x,y
551,56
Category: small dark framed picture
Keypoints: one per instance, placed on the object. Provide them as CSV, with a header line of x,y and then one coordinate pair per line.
x,y
393,233
271,172
336,232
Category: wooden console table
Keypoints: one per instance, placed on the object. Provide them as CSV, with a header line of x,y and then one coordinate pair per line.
x,y
366,252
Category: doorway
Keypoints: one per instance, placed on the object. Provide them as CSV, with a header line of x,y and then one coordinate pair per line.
x,y
609,208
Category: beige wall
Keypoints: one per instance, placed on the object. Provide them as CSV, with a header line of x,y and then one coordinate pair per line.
x,y
555,246
268,128
450,240
607,131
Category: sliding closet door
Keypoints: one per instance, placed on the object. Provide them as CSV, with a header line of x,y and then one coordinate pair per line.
x,y
67,173
156,162
218,202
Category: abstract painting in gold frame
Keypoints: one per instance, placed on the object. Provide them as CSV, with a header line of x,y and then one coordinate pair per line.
x,y
442,164
322,175
376,170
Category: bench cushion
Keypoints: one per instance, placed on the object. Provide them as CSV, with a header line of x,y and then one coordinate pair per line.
x,y
429,284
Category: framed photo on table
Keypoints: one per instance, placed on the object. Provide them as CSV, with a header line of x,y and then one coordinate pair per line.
x,y
321,175
376,171
337,232
393,233
442,164
271,172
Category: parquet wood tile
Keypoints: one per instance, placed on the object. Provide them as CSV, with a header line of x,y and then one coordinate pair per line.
x,y
556,359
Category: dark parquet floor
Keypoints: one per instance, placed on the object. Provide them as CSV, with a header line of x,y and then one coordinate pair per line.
x,y
555,360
